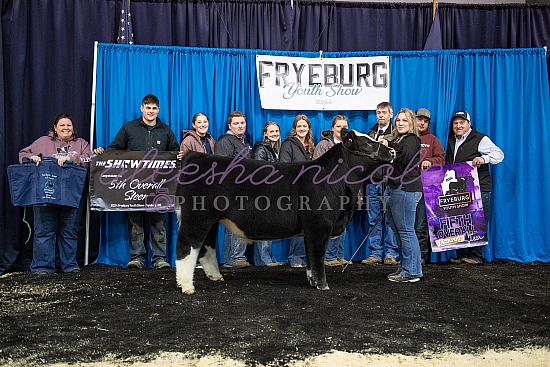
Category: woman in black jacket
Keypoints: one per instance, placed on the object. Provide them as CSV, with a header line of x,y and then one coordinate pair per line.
x,y
298,147
403,191
267,150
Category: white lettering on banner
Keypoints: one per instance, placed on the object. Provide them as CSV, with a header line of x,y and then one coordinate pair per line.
x,y
354,83
135,163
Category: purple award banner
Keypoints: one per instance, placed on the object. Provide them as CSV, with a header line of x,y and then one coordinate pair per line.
x,y
133,181
453,206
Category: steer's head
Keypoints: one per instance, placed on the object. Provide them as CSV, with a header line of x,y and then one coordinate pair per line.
x,y
362,144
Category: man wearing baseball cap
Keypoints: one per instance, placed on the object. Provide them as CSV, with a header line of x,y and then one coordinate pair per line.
x,y
432,153
467,144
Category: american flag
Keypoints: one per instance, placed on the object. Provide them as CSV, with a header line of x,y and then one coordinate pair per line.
x,y
434,41
125,33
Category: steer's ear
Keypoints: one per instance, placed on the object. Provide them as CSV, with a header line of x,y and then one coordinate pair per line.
x,y
344,133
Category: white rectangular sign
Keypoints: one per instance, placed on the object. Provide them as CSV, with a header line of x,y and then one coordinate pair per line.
x,y
299,83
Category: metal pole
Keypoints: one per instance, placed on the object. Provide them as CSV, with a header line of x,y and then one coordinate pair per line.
x,y
92,131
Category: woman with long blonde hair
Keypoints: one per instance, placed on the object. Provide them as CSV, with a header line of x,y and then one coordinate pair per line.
x,y
403,192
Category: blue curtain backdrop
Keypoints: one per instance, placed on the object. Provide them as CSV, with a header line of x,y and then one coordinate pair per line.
x,y
47,49
505,91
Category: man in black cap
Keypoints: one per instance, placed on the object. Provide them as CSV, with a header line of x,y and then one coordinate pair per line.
x,y
468,144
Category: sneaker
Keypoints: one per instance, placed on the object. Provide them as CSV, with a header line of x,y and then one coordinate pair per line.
x,y
371,261
390,260
75,270
397,272
241,264
161,264
470,260
135,264
275,263
456,261
298,265
400,278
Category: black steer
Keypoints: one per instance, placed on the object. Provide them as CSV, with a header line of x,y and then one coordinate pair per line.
x,y
257,200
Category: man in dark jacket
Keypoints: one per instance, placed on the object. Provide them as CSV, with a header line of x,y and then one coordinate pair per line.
x,y
382,243
467,144
143,134
234,140
230,144
432,153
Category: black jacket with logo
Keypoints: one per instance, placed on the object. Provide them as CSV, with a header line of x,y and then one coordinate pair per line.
x,y
135,135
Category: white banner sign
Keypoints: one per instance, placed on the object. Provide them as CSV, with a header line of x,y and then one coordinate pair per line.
x,y
299,83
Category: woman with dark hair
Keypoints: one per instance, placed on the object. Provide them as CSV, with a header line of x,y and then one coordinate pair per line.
x,y
198,139
403,194
267,150
298,147
57,225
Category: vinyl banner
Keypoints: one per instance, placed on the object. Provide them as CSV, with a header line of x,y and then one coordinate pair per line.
x,y
133,181
454,207
299,83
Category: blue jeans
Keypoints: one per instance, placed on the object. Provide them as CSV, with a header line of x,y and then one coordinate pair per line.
x,y
262,253
402,214
136,224
382,235
296,251
476,253
335,247
234,248
55,225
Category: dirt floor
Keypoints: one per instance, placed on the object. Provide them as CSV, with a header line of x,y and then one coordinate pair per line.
x,y
457,315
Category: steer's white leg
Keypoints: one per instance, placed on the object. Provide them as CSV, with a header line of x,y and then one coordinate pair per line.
x,y
184,271
209,264
309,276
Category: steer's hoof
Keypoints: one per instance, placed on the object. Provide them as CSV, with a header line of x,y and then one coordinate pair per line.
x,y
216,278
323,287
189,291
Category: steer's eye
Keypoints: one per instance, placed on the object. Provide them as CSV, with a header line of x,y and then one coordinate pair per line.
x,y
350,140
